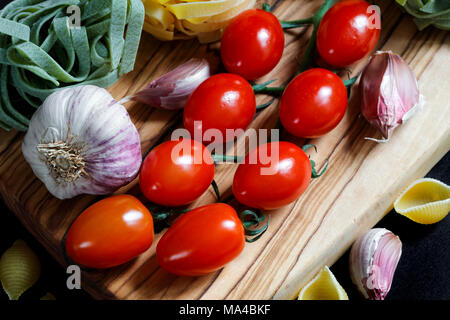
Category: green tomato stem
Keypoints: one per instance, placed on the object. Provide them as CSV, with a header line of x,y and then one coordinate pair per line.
x,y
308,56
265,105
218,158
251,221
270,90
351,81
296,23
216,189
314,173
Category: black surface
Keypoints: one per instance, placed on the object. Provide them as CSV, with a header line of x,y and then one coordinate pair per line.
x,y
423,269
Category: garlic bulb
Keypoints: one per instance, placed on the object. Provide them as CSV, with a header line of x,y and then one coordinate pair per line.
x,y
373,260
172,90
82,141
389,92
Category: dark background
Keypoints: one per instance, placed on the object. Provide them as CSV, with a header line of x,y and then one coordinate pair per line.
x,y
422,273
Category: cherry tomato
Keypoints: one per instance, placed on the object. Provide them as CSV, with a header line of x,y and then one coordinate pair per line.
x,y
347,32
313,103
223,101
263,184
176,173
110,232
252,44
202,241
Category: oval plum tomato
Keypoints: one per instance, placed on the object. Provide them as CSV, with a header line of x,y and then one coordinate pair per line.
x,y
201,241
110,232
313,103
272,176
252,44
176,173
348,32
223,101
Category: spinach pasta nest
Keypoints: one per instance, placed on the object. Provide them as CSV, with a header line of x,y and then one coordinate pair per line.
x,y
48,45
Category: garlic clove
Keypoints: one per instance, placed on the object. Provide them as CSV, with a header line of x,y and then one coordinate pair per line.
x,y
389,92
323,287
172,90
425,201
373,260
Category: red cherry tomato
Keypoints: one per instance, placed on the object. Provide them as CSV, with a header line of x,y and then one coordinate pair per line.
x,y
252,44
110,232
176,173
313,103
257,186
201,241
223,101
347,32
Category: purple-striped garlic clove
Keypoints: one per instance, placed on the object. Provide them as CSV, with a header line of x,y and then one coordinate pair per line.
x,y
373,260
389,92
172,90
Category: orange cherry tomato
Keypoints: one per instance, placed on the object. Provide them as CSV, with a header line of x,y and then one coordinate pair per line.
x,y
202,241
110,232
176,173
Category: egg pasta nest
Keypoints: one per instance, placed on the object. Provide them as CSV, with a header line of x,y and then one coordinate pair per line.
x,y
47,45
184,19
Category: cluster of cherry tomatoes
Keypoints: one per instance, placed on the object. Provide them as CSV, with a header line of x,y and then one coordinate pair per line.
x,y
119,228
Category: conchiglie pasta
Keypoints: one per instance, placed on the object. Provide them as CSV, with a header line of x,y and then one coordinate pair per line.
x,y
48,296
425,201
19,269
185,19
323,287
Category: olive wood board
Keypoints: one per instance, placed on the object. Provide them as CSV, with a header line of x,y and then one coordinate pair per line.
x,y
358,189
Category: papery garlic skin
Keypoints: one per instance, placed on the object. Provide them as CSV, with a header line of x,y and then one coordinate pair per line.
x,y
373,260
82,141
172,90
389,92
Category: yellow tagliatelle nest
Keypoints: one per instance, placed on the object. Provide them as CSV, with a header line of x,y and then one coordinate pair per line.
x,y
184,19
425,201
323,287
19,269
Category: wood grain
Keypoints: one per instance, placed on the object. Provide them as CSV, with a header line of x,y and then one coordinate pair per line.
x,y
362,181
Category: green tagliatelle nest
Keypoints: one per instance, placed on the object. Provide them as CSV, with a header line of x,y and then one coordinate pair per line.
x,y
428,12
47,45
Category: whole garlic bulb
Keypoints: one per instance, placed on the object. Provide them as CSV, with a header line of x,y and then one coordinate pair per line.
x,y
82,141
373,260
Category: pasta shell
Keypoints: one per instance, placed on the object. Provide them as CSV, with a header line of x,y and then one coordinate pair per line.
x,y
323,287
426,201
48,296
19,269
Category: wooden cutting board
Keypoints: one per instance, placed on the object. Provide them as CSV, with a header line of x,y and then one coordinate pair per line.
x,y
358,189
